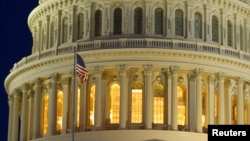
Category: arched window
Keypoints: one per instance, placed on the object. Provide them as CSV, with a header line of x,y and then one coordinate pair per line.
x,y
241,38
215,29
158,21
229,33
98,23
138,20
91,105
117,21
198,25
65,30
59,110
136,103
179,23
45,113
158,100
181,105
80,31
52,34
114,111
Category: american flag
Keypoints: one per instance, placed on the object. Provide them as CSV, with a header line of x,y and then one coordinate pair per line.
x,y
81,70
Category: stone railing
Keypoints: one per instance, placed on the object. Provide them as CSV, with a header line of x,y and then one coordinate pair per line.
x,y
138,43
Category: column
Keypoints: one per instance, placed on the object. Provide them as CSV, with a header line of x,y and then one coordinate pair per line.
x,y
189,27
174,70
52,105
149,96
240,102
66,92
211,99
37,110
10,102
192,102
207,21
198,99
24,115
31,116
123,98
15,118
229,85
169,98
221,99
47,34
98,98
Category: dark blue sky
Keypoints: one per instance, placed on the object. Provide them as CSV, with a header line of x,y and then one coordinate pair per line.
x,y
15,43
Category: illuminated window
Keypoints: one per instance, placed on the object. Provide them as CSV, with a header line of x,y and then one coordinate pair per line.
x,y
65,30
215,29
114,103
136,103
179,22
158,21
91,105
181,106
59,110
80,18
98,23
45,114
78,109
138,21
117,21
234,108
158,103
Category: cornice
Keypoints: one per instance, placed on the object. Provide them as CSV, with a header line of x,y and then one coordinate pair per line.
x,y
114,56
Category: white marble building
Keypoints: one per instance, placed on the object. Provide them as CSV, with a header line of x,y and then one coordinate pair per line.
x,y
159,70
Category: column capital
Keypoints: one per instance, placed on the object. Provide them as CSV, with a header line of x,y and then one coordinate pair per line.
x,y
54,77
25,87
198,72
174,69
97,70
123,69
221,76
240,81
148,68
37,82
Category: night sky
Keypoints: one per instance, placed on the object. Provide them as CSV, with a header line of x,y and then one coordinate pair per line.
x,y
15,43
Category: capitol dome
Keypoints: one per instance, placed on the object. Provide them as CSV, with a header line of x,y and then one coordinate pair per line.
x,y
158,70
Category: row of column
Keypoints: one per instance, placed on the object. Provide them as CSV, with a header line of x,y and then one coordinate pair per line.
x,y
31,107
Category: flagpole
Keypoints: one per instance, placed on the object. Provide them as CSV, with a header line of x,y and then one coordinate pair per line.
x,y
73,98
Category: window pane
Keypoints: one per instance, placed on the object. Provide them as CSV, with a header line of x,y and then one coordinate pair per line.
x,y
45,114
181,107
98,23
114,104
118,21
80,26
59,110
158,21
158,103
136,111
215,29
91,105
198,26
138,21
178,23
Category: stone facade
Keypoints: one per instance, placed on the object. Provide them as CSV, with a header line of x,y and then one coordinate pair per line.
x,y
175,65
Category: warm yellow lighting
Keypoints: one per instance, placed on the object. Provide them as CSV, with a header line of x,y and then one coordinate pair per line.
x,y
158,103
45,114
136,116
92,105
114,103
181,106
59,110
